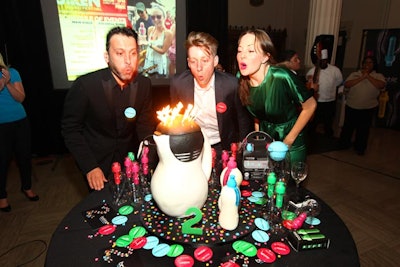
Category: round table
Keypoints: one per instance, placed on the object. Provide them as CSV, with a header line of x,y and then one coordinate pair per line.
x,y
76,242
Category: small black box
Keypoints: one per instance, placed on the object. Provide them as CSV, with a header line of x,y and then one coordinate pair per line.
x,y
307,239
255,155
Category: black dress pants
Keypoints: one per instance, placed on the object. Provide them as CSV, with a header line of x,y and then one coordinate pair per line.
x,y
15,139
358,121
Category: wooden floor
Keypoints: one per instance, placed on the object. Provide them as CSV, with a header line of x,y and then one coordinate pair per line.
x,y
363,190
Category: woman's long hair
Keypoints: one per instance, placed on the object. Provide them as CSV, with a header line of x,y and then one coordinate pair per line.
x,y
267,47
2,63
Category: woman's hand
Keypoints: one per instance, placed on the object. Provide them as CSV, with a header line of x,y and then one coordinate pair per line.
x,y
308,108
2,83
5,75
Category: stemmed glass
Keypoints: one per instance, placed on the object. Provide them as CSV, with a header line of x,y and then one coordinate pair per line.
x,y
313,209
299,172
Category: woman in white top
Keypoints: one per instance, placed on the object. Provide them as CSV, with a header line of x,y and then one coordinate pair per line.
x,y
361,101
160,39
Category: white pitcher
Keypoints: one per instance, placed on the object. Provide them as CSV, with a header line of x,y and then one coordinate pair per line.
x,y
180,180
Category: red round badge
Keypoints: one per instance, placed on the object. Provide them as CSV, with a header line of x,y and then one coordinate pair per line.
x,y
184,261
230,264
203,253
266,255
246,193
221,107
280,248
245,183
288,224
138,242
107,229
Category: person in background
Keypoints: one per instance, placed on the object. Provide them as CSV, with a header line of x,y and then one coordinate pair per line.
x,y
169,20
172,48
143,17
159,41
273,94
362,91
329,79
219,67
222,117
291,60
14,134
109,111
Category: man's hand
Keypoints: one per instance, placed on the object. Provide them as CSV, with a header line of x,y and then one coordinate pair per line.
x,y
96,179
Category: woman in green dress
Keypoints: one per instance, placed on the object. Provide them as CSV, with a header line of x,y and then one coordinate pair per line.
x,y
278,100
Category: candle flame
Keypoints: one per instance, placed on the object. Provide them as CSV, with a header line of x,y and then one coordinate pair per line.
x,y
169,116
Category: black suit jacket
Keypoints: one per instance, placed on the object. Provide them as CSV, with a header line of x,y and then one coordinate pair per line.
x,y
89,121
233,124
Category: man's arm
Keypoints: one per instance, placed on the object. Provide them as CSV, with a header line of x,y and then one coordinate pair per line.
x,y
72,127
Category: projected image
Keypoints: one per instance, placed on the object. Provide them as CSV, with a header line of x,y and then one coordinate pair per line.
x,y
154,21
83,32
84,29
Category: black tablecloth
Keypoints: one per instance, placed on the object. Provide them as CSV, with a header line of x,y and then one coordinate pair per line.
x,y
76,243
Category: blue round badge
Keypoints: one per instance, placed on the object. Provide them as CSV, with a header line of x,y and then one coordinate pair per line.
x,y
119,220
262,224
130,112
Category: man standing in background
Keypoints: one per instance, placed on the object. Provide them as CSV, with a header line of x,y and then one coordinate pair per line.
x,y
329,78
143,17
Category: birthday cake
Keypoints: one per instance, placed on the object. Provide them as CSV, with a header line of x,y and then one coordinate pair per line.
x,y
180,180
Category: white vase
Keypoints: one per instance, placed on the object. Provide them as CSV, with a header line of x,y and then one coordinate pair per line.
x,y
180,180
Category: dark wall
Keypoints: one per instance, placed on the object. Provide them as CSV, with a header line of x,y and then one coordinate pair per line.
x,y
210,16
23,45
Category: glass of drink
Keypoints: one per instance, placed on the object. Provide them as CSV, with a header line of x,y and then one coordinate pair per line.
x,y
299,172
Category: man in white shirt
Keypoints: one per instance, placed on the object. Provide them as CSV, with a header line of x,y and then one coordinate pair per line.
x,y
214,94
329,78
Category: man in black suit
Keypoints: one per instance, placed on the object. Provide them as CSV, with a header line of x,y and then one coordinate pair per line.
x,y
214,94
108,112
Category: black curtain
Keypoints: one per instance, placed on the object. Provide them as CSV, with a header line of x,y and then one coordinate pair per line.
x,y
23,46
210,16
